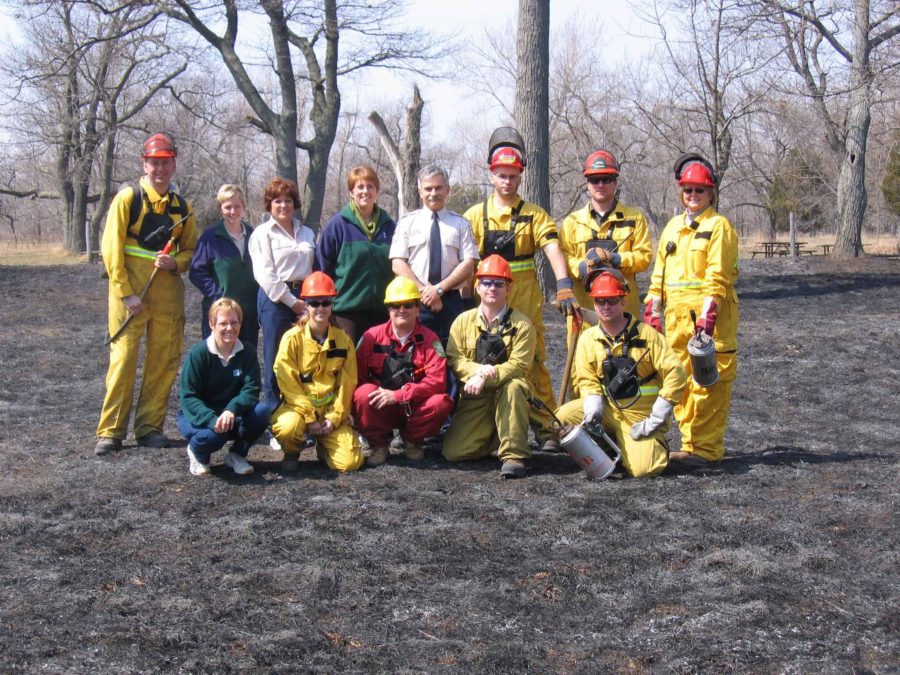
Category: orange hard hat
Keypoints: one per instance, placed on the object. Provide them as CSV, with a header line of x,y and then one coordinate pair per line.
x,y
160,145
318,285
505,157
494,266
697,174
601,163
609,284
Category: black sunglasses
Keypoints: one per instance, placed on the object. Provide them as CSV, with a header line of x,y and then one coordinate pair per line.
x,y
689,191
320,303
492,283
404,305
606,180
607,301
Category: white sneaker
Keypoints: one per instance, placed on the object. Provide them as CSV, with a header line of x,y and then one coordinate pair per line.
x,y
274,444
197,467
240,465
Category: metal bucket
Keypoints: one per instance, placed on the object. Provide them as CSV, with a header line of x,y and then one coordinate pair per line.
x,y
702,351
587,454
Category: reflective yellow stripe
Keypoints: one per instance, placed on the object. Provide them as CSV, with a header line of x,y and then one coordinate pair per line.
x,y
319,402
521,265
649,390
138,252
684,284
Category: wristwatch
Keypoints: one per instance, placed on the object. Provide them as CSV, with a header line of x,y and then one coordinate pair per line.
x,y
440,291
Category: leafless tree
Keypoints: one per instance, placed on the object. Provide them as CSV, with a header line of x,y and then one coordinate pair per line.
x,y
405,162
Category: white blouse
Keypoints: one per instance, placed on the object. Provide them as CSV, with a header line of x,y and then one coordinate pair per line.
x,y
278,258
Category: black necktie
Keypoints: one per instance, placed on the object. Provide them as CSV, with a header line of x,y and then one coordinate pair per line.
x,y
434,251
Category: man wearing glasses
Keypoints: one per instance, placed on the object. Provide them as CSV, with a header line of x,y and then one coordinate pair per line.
x,y
491,350
605,233
635,410
402,371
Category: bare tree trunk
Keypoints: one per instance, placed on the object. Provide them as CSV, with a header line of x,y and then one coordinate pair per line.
x,y
405,163
532,111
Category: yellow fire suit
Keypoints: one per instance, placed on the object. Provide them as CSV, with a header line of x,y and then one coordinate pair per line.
x,y
627,227
534,229
703,264
496,419
660,374
162,320
317,383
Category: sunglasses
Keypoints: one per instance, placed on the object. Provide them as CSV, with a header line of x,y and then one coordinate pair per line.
x,y
606,180
689,191
492,283
607,301
404,305
320,303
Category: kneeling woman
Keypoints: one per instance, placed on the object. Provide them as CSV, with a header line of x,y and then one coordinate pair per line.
x,y
316,372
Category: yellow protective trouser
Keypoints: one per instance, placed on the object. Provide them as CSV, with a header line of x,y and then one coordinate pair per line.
x,y
162,320
702,413
495,420
339,450
525,295
646,457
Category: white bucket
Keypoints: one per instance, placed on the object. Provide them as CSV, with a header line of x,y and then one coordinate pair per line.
x,y
587,454
702,351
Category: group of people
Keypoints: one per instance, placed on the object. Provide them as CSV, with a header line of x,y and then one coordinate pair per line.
x,y
430,327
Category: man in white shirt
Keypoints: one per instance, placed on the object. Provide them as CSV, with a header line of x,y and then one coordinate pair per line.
x,y
440,267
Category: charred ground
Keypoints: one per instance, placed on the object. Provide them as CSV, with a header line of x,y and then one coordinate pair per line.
x,y
781,559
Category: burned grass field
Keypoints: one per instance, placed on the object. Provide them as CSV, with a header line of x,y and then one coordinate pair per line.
x,y
783,558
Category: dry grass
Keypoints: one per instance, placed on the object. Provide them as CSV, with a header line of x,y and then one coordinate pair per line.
x,y
15,255
883,245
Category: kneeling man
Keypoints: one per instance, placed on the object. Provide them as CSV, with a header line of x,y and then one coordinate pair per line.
x,y
402,370
316,372
491,352
628,378
220,394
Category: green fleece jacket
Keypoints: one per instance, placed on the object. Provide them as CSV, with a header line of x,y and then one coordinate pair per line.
x,y
208,388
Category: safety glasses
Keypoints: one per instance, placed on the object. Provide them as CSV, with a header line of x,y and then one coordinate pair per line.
x,y
606,180
320,303
607,301
492,283
404,305
690,191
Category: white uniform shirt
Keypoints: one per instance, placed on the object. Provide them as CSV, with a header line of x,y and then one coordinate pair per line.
x,y
412,240
278,257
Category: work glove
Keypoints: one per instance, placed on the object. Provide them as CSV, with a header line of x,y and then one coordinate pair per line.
x,y
592,404
653,313
707,320
565,296
596,257
658,416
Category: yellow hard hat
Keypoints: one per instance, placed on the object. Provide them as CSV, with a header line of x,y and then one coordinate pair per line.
x,y
401,289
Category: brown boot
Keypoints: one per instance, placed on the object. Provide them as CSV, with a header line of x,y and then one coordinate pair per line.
x,y
377,457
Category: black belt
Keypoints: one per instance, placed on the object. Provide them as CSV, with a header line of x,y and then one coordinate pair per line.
x,y
294,285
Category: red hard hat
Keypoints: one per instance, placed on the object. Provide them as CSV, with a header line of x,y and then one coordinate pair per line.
x,y
697,174
494,266
318,285
609,284
599,163
160,145
505,157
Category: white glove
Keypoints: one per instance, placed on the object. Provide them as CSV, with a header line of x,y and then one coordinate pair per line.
x,y
658,416
592,404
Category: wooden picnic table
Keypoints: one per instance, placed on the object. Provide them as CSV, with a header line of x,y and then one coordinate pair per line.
x,y
773,248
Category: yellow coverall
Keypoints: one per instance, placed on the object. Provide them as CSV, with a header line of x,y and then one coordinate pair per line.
x,y
534,229
628,228
650,455
129,267
496,419
703,265
317,383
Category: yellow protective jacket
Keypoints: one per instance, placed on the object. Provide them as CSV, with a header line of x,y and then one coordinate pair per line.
x,y
315,379
626,226
659,371
119,246
534,229
704,264
518,336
